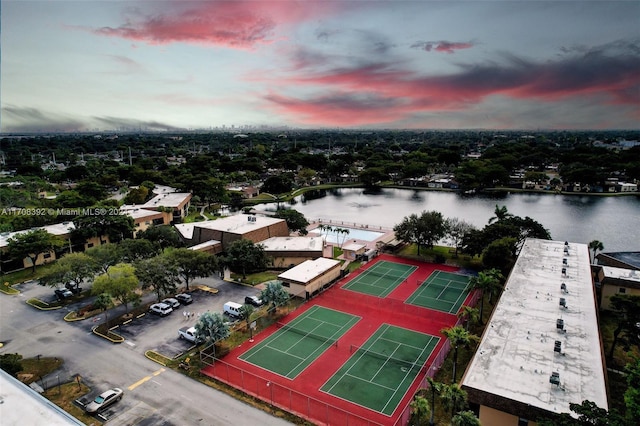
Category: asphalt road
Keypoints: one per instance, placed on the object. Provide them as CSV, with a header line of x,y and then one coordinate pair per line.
x,y
153,395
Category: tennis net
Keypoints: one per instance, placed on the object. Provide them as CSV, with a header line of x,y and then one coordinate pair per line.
x,y
408,365
387,275
287,327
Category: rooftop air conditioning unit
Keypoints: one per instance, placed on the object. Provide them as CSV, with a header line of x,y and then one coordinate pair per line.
x,y
557,347
555,378
563,287
563,302
560,324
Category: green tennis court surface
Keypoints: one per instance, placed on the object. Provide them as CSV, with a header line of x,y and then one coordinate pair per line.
x,y
380,279
442,291
379,373
297,344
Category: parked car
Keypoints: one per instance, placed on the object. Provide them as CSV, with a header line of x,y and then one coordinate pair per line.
x,y
63,293
253,300
73,289
188,333
184,298
104,400
161,309
171,302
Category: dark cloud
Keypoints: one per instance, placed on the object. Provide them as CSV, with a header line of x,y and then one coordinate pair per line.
x,y
33,120
131,124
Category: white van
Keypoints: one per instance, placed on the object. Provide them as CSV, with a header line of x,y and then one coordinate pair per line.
x,y
233,309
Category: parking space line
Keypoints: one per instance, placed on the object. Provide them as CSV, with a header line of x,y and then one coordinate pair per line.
x,y
145,379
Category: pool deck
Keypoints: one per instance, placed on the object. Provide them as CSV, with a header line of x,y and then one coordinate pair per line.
x,y
387,236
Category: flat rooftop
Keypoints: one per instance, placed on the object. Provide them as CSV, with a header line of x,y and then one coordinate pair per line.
x,y
171,199
58,229
516,358
238,224
293,244
621,273
308,270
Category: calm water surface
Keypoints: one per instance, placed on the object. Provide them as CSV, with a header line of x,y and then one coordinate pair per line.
x,y
613,220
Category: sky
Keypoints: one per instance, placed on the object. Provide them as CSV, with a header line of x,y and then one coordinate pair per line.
x,y
170,65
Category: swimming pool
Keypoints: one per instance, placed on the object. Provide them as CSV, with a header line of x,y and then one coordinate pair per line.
x,y
334,236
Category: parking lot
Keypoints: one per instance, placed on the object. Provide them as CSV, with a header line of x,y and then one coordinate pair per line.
x,y
160,334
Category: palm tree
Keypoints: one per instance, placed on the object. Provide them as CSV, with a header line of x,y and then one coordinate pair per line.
x,y
498,279
469,314
275,295
212,326
454,398
484,282
595,245
458,336
465,418
246,311
500,214
434,387
419,408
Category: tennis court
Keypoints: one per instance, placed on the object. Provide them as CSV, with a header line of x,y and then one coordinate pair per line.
x,y
380,279
379,373
297,344
442,291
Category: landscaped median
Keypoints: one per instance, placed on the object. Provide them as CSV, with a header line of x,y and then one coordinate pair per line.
x,y
108,334
43,306
7,289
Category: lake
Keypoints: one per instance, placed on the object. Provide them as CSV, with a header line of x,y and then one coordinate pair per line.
x,y
576,218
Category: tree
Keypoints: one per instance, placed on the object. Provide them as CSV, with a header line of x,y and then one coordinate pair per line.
x,y
483,282
454,398
11,363
627,311
71,270
157,272
211,326
588,414
278,184
500,213
32,244
274,294
632,394
162,236
458,336
420,409
120,283
465,418
456,230
424,230
131,250
595,245
104,303
115,226
246,311
341,231
296,222
190,264
104,256
434,388
469,315
499,254
246,257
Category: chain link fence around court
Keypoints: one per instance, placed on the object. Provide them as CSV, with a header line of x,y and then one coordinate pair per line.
x,y
311,408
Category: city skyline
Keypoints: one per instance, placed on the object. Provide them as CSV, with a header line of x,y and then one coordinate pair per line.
x,y
177,65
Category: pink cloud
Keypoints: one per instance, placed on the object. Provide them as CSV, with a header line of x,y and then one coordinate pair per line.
x,y
392,93
234,24
442,46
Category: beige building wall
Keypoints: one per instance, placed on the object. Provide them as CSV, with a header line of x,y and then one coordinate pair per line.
x,y
609,290
492,417
316,284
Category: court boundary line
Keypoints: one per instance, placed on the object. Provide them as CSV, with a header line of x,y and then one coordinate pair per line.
x,y
384,327
429,280
347,286
267,344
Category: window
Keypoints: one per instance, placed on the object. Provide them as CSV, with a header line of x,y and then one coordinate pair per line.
x,y
285,284
46,255
89,245
622,290
523,422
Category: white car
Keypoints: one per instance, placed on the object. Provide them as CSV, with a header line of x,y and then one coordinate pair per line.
x,y
172,302
104,400
161,309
